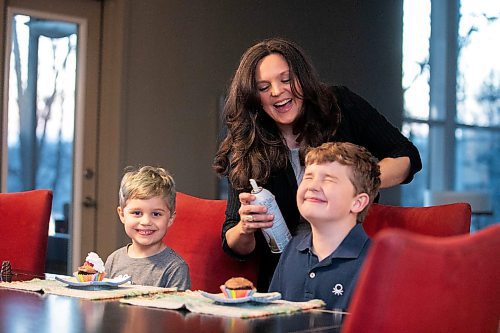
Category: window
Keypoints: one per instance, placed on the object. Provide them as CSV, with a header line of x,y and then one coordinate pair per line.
x,y
451,83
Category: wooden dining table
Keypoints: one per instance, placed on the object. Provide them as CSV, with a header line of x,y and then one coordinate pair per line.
x,y
22,311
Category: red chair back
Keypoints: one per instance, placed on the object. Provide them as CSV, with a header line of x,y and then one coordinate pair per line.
x,y
416,283
196,236
441,220
24,229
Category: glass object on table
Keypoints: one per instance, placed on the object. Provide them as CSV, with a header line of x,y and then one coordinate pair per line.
x,y
6,272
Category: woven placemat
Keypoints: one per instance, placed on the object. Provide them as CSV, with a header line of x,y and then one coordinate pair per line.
x,y
195,302
59,288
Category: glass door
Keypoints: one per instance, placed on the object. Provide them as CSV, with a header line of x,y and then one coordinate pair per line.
x,y
50,116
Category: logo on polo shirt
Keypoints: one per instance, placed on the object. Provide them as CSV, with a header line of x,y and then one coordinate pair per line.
x,y
338,289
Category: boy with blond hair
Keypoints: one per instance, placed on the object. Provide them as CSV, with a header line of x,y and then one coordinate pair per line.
x,y
340,182
147,209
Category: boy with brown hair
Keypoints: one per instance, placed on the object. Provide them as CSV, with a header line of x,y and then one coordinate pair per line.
x,y
340,182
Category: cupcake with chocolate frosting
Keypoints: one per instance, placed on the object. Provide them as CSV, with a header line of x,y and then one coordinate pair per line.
x,y
237,287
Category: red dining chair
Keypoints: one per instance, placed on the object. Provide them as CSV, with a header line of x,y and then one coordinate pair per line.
x,y
24,229
440,220
417,283
196,236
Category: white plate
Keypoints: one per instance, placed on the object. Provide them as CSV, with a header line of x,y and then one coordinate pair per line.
x,y
256,297
106,283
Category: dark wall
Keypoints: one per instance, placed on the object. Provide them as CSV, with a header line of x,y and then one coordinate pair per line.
x,y
180,56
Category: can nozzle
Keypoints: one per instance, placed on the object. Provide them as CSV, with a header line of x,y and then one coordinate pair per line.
x,y
255,187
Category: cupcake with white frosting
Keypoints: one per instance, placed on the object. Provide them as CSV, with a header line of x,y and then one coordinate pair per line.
x,y
92,269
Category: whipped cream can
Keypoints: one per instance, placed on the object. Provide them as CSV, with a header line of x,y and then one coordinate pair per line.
x,y
278,235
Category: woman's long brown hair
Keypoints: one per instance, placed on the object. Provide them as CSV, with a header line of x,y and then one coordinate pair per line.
x,y
253,145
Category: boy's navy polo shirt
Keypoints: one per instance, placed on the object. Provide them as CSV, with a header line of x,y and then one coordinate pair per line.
x,y
300,277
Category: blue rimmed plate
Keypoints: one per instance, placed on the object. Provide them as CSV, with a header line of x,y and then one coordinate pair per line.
x,y
106,283
256,297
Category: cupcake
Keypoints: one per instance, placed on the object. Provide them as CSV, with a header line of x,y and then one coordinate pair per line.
x,y
237,287
92,269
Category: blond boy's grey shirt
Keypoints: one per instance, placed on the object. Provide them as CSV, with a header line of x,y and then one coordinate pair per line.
x,y
165,269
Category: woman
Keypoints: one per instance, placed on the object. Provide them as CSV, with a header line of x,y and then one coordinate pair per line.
x,y
275,109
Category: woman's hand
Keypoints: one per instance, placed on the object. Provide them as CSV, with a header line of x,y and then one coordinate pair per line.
x,y
252,217
241,238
